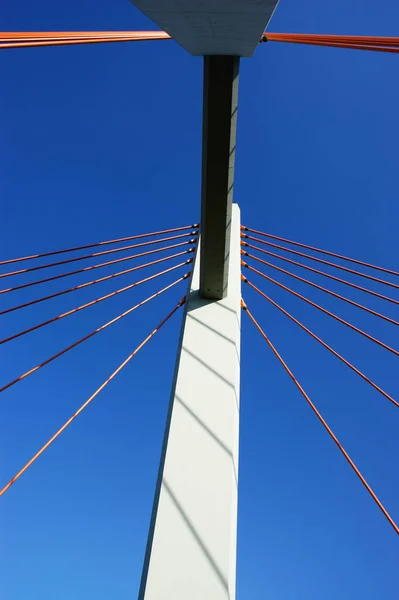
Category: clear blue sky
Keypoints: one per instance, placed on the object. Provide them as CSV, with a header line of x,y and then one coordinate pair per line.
x,y
104,141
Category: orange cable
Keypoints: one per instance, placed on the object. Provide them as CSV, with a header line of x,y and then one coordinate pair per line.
x,y
358,262
298,264
345,46
323,289
353,39
95,254
83,306
60,34
61,275
13,308
373,43
83,406
324,310
124,239
320,260
314,336
84,40
321,419
86,337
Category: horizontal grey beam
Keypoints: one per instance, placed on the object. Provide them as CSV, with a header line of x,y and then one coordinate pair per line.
x,y
218,155
210,27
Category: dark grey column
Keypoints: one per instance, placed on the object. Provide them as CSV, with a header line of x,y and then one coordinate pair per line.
x,y
218,155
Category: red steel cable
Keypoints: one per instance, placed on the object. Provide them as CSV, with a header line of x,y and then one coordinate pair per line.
x,y
353,260
83,39
352,39
323,289
13,308
83,306
314,336
86,337
373,43
100,280
343,46
298,264
321,419
75,41
124,239
85,256
324,310
44,35
62,34
83,406
324,262
47,279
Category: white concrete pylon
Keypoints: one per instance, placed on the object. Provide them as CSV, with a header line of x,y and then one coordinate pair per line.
x,y
191,549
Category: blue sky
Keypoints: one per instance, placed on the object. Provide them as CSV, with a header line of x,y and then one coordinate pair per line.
x,y
104,141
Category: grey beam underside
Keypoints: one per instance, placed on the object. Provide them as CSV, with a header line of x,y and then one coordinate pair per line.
x,y
210,27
